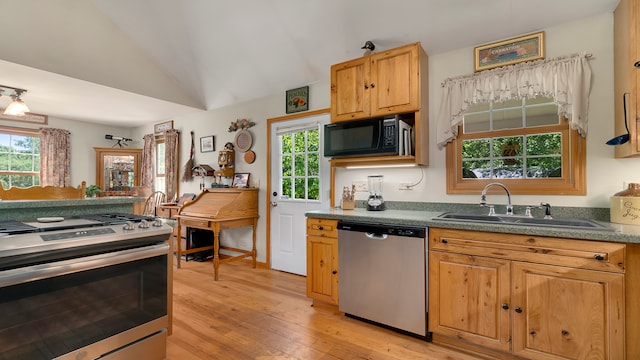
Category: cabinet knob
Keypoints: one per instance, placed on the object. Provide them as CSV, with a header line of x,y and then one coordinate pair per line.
x,y
373,85
366,86
637,64
505,306
518,309
334,272
320,228
445,241
598,257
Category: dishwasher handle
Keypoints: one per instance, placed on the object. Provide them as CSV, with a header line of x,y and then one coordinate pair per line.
x,y
376,236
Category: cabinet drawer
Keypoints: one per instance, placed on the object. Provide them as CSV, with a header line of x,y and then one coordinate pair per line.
x,y
322,227
195,223
584,254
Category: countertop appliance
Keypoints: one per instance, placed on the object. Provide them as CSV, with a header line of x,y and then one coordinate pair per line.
x,y
365,137
383,275
375,202
84,288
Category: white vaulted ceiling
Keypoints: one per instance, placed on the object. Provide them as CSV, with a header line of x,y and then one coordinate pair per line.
x,y
131,62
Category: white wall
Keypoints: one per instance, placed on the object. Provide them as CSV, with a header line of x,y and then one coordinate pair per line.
x,y
605,175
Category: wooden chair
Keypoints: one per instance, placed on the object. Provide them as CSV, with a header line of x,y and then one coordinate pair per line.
x,y
152,202
44,193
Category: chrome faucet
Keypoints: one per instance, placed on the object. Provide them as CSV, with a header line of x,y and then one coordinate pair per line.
x,y
483,197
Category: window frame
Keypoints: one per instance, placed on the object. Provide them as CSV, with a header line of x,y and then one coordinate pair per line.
x,y
23,132
572,182
156,174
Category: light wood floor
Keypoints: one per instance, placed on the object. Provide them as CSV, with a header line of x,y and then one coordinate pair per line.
x,y
265,315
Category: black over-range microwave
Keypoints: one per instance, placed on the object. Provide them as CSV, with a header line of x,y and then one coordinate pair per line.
x,y
368,137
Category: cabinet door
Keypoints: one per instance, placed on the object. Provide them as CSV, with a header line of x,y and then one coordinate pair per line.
x,y
350,90
567,313
469,299
322,268
395,79
626,76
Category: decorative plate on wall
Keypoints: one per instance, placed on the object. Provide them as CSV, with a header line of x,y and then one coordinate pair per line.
x,y
243,140
249,157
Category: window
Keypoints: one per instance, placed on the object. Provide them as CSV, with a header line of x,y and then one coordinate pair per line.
x,y
300,159
19,157
522,143
160,179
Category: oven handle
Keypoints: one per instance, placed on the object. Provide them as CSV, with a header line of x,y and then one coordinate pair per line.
x,y
49,270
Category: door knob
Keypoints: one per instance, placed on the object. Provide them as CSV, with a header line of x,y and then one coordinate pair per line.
x,y
274,204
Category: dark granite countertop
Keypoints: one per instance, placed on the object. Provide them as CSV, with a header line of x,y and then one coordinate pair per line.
x,y
32,209
421,217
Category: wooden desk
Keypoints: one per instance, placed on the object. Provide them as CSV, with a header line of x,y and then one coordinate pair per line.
x,y
215,210
168,211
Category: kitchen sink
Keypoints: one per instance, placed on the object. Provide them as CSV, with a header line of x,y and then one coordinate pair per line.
x,y
585,224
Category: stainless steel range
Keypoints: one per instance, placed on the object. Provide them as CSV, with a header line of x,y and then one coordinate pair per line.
x,y
84,288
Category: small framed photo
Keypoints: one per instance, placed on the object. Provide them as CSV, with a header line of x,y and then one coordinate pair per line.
x,y
159,128
507,52
240,180
297,100
207,144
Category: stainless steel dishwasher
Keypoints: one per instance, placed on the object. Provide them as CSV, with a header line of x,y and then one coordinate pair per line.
x,y
383,274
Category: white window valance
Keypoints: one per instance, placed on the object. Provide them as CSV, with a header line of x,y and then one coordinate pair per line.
x,y
566,79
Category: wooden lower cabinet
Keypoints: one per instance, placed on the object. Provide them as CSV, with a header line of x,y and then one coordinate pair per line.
x,y
567,313
322,260
526,297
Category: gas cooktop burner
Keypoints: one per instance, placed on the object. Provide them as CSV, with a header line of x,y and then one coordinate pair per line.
x,y
116,218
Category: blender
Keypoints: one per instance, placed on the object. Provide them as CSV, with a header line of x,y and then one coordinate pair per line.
x,y
375,201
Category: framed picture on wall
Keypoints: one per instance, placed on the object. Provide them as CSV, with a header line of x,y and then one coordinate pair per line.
x,y
240,180
207,144
297,100
507,52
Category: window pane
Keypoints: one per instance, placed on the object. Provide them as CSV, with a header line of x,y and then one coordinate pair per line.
x,y
313,140
480,169
477,148
20,162
314,188
4,161
286,188
507,168
286,165
507,119
313,164
476,122
542,115
301,165
300,145
300,188
544,144
544,167
160,166
508,146
286,144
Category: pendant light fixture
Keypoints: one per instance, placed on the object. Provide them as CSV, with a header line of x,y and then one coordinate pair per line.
x,y
621,139
17,107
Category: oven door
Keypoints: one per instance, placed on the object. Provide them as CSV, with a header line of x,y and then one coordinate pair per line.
x,y
86,307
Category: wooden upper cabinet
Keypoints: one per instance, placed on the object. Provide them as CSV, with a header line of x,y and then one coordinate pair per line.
x,y
626,75
349,90
388,82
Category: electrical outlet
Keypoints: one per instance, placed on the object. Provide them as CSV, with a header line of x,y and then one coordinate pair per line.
x,y
360,186
405,186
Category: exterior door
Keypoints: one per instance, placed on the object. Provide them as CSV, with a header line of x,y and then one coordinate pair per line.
x,y
299,183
